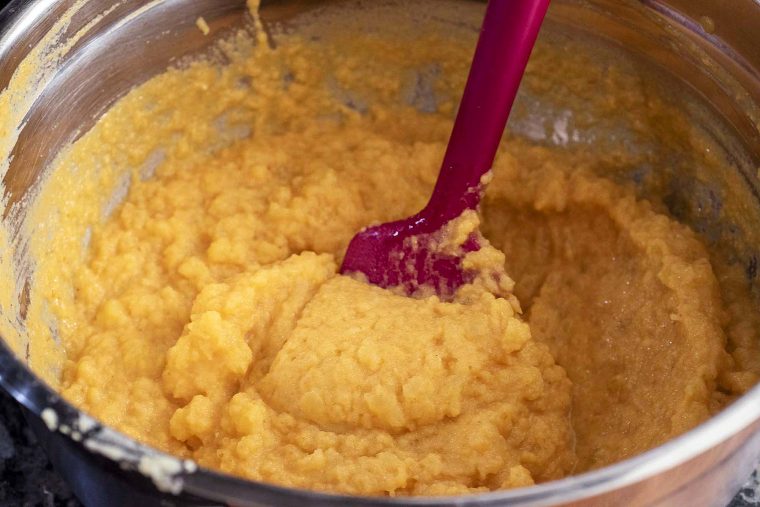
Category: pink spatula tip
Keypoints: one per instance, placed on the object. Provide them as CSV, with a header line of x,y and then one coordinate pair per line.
x,y
409,254
393,256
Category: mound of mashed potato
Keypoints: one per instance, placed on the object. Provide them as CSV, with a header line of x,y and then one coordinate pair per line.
x,y
206,316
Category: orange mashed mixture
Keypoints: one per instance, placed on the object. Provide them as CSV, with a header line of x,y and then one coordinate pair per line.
x,y
206,317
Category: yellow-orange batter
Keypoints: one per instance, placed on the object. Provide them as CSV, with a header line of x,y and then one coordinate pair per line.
x,y
207,318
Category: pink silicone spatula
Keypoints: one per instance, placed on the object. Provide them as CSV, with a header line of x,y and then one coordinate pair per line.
x,y
404,253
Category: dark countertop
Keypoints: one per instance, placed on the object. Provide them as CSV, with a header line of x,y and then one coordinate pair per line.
x,y
750,495
28,480
26,477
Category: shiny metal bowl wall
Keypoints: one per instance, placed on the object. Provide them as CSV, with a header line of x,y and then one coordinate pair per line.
x,y
137,39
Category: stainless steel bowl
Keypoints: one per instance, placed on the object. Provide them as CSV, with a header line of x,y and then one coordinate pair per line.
x,y
709,52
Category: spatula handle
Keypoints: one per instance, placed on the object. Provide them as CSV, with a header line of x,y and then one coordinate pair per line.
x,y
506,39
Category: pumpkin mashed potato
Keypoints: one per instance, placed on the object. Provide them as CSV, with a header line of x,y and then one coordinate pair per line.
x,y
206,316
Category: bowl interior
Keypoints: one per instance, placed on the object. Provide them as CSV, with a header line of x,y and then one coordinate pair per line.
x,y
79,60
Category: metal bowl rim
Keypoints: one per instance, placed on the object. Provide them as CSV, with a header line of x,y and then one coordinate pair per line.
x,y
35,395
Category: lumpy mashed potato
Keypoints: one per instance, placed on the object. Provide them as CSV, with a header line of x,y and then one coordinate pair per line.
x,y
207,317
